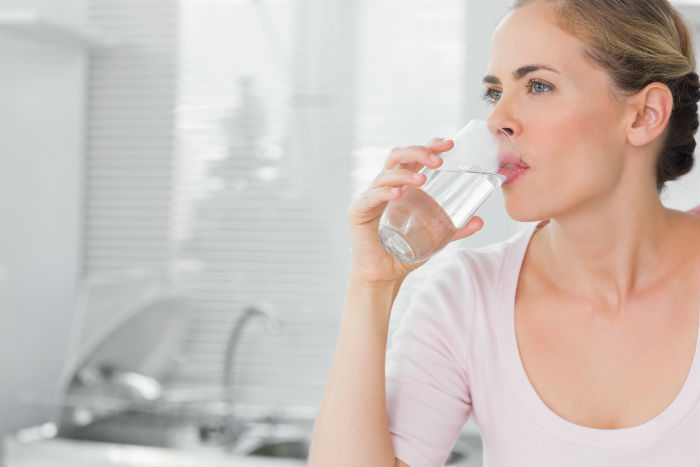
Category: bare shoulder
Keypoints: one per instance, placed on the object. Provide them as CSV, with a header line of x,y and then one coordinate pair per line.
x,y
687,229
684,244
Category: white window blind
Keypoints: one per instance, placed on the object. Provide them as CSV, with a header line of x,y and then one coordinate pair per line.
x,y
226,140
129,136
265,137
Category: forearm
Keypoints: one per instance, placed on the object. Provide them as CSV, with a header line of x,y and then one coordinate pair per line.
x,y
351,427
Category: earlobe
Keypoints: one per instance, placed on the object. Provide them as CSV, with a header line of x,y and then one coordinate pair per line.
x,y
652,107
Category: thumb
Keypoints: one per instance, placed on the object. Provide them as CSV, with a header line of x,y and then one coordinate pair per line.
x,y
474,225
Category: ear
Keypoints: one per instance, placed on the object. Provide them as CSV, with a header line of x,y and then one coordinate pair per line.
x,y
650,111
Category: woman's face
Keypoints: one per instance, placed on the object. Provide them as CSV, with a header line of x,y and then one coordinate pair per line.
x,y
562,113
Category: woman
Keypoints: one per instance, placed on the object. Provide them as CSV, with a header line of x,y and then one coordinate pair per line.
x,y
574,342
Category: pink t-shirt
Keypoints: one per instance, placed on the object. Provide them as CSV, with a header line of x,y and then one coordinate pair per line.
x,y
455,355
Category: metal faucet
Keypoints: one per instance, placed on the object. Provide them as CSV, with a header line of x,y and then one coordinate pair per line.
x,y
262,309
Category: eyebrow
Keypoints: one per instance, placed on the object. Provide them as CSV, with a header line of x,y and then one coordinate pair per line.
x,y
520,73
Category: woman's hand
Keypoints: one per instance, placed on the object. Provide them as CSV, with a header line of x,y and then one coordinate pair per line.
x,y
371,263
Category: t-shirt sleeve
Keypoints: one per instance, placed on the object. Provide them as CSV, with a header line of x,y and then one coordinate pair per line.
x,y
427,388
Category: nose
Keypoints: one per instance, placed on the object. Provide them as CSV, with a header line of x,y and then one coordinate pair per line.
x,y
503,115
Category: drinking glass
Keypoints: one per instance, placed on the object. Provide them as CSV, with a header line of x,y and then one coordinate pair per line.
x,y
424,219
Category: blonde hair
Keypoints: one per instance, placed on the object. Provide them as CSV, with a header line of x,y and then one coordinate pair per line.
x,y
638,42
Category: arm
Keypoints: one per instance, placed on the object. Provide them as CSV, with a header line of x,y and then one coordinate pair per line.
x,y
352,427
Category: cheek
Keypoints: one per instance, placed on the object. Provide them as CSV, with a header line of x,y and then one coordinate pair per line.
x,y
573,158
580,147
597,151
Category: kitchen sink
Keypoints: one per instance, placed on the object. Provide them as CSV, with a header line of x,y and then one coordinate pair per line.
x,y
268,441
467,451
296,449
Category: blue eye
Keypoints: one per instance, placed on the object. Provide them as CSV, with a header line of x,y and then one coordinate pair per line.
x,y
491,95
538,87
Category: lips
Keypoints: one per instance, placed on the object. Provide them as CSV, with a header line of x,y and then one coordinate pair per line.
x,y
512,167
512,173
511,160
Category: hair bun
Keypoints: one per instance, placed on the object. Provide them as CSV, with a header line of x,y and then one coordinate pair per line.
x,y
694,86
678,155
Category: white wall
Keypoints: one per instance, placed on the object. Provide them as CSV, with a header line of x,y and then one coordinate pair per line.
x,y
41,138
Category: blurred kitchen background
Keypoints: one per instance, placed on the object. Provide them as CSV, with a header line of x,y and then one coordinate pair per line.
x,y
174,181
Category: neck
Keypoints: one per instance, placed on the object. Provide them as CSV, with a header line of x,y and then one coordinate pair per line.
x,y
608,251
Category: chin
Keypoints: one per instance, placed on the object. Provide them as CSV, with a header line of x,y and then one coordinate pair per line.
x,y
523,209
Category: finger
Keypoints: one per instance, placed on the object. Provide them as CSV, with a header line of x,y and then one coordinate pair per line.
x,y
371,202
398,177
416,166
475,224
409,155
436,147
418,154
440,144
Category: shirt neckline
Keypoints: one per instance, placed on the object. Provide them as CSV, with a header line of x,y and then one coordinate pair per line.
x,y
651,430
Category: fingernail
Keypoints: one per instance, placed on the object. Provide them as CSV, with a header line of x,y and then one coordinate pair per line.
x,y
435,158
417,176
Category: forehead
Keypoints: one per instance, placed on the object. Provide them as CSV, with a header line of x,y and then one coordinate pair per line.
x,y
530,34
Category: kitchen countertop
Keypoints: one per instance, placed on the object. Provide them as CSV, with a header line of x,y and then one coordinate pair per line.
x,y
59,452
